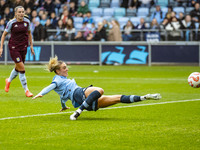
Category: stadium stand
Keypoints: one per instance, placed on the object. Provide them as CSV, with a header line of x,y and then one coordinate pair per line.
x,y
179,9
97,20
115,3
78,20
135,20
162,2
108,12
164,9
108,18
105,3
188,9
152,10
112,9
79,2
94,3
143,11
78,26
119,12
122,21
131,12
97,12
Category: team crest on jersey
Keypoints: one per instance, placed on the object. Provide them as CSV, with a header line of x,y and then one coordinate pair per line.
x,y
18,59
25,24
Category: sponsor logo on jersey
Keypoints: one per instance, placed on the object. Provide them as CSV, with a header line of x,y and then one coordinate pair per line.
x,y
16,25
18,59
25,24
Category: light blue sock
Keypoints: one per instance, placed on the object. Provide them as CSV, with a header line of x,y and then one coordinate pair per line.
x,y
13,75
22,78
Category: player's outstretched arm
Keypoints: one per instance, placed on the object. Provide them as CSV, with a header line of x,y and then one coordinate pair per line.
x,y
45,90
37,96
2,42
64,108
31,42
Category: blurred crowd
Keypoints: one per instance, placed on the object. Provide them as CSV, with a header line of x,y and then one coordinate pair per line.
x,y
53,20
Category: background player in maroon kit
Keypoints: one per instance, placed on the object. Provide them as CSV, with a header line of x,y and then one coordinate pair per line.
x,y
19,27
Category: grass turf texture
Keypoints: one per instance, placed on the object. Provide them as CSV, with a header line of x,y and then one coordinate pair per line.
x,y
166,126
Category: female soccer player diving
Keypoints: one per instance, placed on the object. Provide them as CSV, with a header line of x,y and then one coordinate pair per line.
x,y
89,98
19,27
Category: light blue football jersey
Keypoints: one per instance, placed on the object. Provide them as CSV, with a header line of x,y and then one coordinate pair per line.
x,y
65,87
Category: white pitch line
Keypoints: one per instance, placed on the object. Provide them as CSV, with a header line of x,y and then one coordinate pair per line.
x,y
50,114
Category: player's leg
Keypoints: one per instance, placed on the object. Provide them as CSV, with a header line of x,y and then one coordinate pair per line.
x,y
20,67
90,90
12,76
105,101
15,56
92,94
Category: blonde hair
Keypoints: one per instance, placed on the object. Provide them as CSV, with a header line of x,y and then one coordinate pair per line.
x,y
16,8
54,64
117,23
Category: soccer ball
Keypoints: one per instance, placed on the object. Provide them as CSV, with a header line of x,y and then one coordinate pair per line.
x,y
194,80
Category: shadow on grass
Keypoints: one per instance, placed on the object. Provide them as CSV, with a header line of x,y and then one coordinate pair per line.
x,y
83,118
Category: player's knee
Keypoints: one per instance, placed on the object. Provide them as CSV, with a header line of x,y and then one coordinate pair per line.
x,y
20,66
20,69
101,91
22,72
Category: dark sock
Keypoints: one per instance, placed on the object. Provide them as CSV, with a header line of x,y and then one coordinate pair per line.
x,y
130,98
90,99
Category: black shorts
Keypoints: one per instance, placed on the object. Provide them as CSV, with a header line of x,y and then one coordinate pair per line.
x,y
79,97
18,56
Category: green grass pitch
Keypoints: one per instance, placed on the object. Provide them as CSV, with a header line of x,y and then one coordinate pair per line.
x,y
173,124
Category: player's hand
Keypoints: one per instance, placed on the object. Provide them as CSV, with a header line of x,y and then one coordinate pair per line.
x,y
1,51
37,96
32,51
64,109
